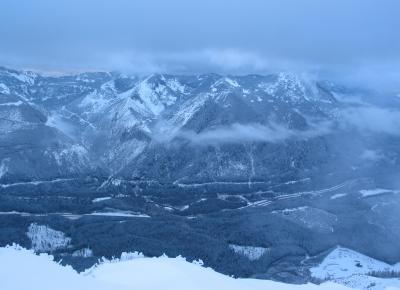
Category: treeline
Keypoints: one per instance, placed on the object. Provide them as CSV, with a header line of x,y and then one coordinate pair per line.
x,y
385,274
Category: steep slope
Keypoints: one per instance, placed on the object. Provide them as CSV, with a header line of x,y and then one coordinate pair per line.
x,y
32,148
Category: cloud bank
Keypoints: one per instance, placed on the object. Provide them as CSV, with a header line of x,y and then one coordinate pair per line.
x,y
372,120
239,133
177,36
362,119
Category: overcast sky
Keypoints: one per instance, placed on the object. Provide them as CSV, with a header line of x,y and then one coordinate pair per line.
x,y
229,36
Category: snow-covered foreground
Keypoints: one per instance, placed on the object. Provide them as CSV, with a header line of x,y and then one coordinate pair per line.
x,y
21,269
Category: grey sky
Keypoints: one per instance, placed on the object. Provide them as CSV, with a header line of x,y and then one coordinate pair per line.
x,y
229,36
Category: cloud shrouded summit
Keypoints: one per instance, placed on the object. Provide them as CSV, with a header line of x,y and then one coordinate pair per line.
x,y
228,36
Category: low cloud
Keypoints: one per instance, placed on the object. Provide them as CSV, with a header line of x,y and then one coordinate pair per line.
x,y
355,39
226,61
362,119
372,120
239,133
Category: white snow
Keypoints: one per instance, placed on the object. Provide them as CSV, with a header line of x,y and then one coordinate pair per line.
x,y
99,199
110,86
45,239
120,214
127,108
338,195
287,211
375,191
37,182
25,77
176,86
291,84
21,269
74,216
116,182
75,154
85,252
232,82
351,268
4,167
17,103
4,89
252,253
149,98
189,185
24,214
95,102
188,109
343,262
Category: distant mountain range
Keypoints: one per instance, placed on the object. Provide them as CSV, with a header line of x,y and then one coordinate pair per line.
x,y
175,128
200,154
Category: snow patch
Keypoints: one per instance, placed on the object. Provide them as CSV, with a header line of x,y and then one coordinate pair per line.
x,y
75,153
25,77
149,98
37,182
176,86
232,82
120,214
4,167
338,195
95,102
99,199
351,268
4,89
287,86
376,191
17,103
45,239
85,253
252,253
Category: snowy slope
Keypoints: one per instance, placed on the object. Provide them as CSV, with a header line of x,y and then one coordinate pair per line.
x,y
45,239
353,269
21,269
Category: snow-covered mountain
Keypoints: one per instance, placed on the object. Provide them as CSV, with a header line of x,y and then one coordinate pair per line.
x,y
358,271
252,174
108,124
